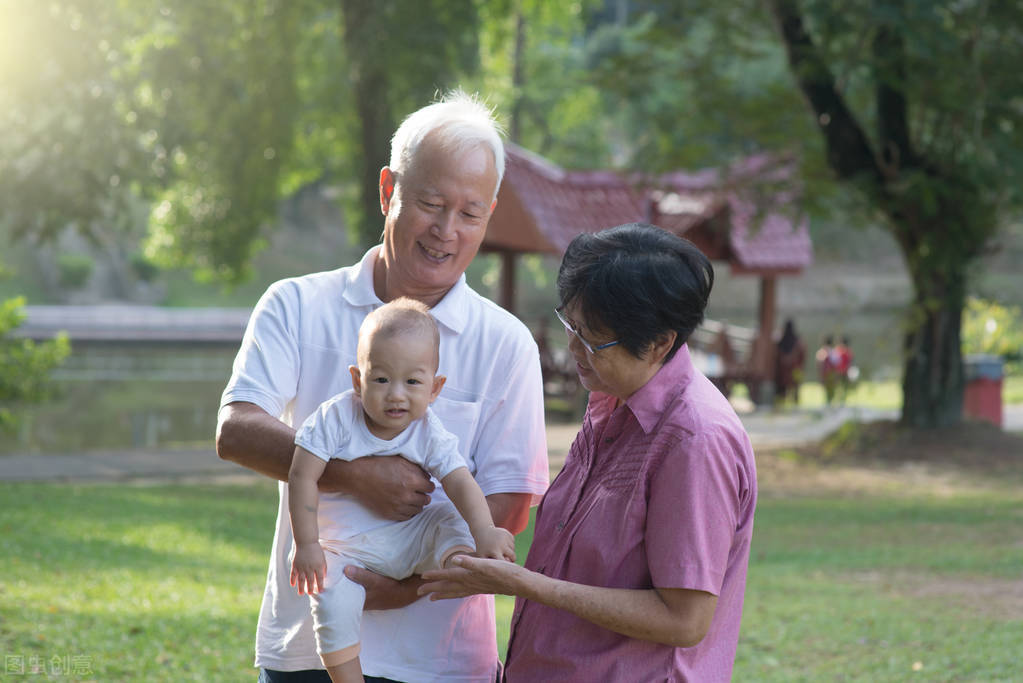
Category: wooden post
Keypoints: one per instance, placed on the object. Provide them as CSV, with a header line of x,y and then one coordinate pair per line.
x,y
764,346
507,293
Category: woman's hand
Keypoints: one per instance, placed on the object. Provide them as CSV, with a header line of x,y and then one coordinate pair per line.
x,y
473,576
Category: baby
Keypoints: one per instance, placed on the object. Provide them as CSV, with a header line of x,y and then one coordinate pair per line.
x,y
387,412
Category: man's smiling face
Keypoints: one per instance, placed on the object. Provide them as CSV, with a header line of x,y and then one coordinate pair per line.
x,y
436,216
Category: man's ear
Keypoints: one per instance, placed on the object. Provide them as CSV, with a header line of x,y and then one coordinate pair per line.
x,y
438,384
356,380
386,189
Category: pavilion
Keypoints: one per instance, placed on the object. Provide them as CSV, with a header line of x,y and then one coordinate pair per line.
x,y
745,215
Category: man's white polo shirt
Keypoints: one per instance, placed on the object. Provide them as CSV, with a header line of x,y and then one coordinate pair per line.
x,y
300,340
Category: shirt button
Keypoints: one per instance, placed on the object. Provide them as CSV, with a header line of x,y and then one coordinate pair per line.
x,y
561,525
609,439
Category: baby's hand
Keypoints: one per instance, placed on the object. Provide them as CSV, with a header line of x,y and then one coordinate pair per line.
x,y
496,543
308,568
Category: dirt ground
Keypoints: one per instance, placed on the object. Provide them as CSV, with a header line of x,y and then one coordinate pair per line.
x,y
882,456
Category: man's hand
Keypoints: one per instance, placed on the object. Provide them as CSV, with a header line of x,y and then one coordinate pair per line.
x,y
383,592
389,486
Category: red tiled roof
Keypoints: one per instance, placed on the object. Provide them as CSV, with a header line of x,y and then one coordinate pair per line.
x,y
754,203
559,204
541,207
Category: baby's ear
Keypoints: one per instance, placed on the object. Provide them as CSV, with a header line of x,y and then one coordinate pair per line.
x,y
438,384
356,379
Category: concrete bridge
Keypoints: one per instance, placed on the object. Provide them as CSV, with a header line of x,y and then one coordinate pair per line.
x,y
127,324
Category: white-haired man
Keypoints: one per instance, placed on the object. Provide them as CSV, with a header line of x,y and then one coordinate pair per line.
x,y
436,195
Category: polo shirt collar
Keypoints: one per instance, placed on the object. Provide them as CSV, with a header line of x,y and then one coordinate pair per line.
x,y
648,403
451,311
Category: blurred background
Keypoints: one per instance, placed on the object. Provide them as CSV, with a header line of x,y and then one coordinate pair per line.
x,y
851,165
184,155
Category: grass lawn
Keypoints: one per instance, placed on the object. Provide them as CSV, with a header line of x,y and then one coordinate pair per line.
x,y
855,575
886,395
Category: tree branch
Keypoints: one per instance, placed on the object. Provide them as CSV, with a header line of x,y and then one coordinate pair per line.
x,y
848,149
892,120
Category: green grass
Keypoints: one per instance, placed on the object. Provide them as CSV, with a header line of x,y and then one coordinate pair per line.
x,y
879,395
851,589
163,583
888,395
1012,389
155,583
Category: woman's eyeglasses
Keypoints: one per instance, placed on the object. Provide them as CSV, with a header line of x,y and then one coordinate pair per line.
x,y
570,328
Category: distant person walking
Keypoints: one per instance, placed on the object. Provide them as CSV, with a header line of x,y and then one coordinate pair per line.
x,y
827,370
789,357
846,373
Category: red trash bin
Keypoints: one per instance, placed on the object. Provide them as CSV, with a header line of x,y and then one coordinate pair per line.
x,y
982,398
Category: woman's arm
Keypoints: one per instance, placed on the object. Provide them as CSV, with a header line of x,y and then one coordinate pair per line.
x,y
672,616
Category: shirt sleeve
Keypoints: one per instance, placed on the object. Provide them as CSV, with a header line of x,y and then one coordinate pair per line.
x,y
325,432
441,457
692,514
511,446
266,369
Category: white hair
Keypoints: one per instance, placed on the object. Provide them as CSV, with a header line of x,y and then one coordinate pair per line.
x,y
461,121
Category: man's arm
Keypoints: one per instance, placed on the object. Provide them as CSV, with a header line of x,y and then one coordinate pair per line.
x,y
510,510
251,437
391,486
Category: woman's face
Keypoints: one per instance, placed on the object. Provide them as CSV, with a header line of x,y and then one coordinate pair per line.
x,y
613,370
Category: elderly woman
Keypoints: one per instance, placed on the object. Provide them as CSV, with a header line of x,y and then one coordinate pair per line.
x,y
638,564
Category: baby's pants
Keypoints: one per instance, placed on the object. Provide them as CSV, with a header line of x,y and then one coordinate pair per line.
x,y
396,550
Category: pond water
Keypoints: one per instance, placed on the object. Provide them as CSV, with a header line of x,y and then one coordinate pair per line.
x,y
117,397
160,395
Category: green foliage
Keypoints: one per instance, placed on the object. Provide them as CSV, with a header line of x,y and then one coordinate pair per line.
x,y
24,365
70,147
215,83
75,269
989,327
143,268
728,95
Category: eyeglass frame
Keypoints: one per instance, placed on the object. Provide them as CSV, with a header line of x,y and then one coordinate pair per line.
x,y
572,331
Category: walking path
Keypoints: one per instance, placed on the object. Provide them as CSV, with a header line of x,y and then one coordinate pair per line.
x,y
767,430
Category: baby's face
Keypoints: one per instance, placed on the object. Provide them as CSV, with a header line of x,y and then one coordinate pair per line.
x,y
397,382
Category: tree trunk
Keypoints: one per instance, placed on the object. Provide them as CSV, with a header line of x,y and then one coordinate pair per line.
x,y
375,128
371,85
932,381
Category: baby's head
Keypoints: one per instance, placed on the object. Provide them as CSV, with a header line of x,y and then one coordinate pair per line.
x,y
398,355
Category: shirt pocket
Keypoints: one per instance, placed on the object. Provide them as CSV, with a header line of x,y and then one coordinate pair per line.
x,y
461,418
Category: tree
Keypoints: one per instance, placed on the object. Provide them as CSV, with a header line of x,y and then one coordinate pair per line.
x,y
24,365
940,86
918,108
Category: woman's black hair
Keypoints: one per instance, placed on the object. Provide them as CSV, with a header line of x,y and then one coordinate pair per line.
x,y
638,282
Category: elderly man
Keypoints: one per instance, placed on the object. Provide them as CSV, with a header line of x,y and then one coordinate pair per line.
x,y
436,195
